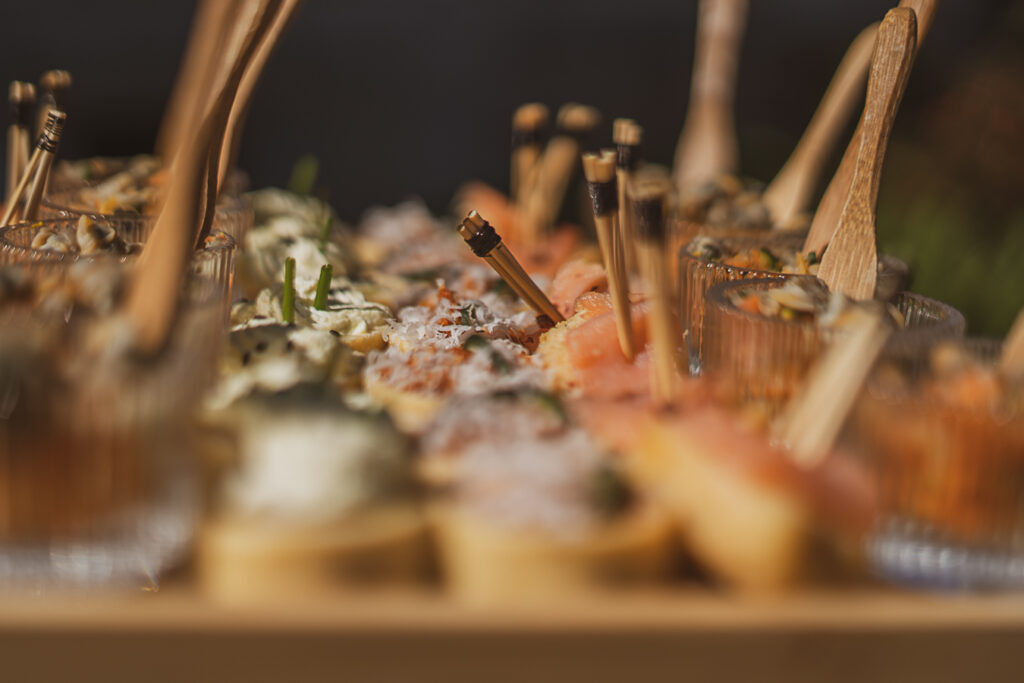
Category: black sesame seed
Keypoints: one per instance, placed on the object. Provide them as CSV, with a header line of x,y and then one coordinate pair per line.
x,y
336,333
261,346
245,358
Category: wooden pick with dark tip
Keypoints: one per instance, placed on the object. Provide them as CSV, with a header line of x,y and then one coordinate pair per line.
x,y
22,99
789,193
39,162
555,168
707,146
826,218
486,243
648,197
627,136
528,126
850,265
54,87
599,170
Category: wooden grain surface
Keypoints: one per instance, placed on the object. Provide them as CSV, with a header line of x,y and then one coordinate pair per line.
x,y
866,634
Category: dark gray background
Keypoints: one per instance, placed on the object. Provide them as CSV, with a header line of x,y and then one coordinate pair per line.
x,y
412,98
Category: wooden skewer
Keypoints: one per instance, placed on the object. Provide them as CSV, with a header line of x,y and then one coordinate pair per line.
x,y
1011,361
648,197
575,121
707,146
627,136
487,244
826,218
599,171
53,94
811,421
22,98
240,109
45,148
850,265
788,195
528,126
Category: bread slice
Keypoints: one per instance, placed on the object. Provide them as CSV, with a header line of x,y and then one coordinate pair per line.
x,y
247,558
486,563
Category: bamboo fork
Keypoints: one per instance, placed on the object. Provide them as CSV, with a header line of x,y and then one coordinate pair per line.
x,y
486,243
850,265
811,421
555,168
789,193
22,98
528,124
240,109
627,136
707,146
648,196
826,218
599,171
42,156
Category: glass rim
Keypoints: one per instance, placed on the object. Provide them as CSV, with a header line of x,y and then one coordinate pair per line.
x,y
718,295
214,248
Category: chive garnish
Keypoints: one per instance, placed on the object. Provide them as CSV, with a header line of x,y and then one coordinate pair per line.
x,y
288,295
325,230
323,285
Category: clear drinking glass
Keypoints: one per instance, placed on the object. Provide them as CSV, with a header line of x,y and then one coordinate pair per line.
x,y
234,214
98,487
765,359
950,480
697,275
215,261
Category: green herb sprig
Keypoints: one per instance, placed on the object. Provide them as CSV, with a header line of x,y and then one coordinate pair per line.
x,y
288,295
323,286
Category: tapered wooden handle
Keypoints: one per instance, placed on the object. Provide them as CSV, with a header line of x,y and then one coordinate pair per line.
x,y
789,193
1011,362
707,146
850,265
826,218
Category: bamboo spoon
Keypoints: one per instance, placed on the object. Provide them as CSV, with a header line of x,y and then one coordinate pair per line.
x,y
707,146
604,194
487,244
789,193
850,265
627,136
45,148
53,94
648,196
248,27
1011,361
826,218
528,124
811,421
240,109
22,98
194,74
555,168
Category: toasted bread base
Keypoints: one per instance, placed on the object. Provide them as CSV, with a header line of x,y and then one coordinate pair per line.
x,y
484,563
748,533
246,559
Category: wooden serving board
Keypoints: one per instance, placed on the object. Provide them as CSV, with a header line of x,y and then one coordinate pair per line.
x,y
865,634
